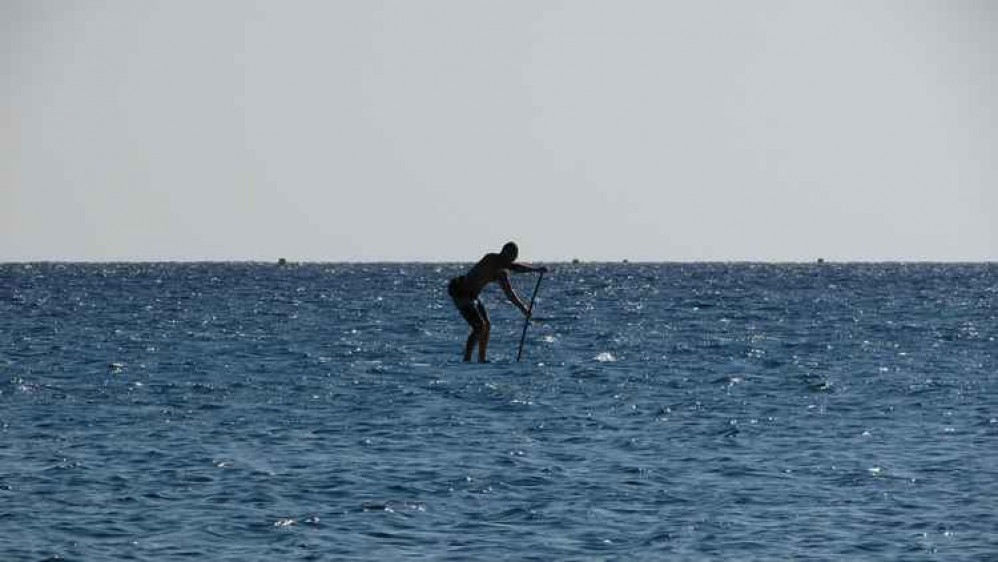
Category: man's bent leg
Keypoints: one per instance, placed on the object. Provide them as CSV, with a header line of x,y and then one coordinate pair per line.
x,y
483,343
471,315
483,336
470,345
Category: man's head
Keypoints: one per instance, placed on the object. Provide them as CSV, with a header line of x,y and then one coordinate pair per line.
x,y
510,251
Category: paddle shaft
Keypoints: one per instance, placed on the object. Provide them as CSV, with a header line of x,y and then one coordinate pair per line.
x,y
530,311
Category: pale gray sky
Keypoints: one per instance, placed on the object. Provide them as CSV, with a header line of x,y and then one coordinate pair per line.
x,y
437,130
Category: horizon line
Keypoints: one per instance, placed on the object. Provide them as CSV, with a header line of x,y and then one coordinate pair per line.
x,y
573,261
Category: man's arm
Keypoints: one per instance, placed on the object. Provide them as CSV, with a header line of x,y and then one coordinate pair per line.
x,y
524,268
507,288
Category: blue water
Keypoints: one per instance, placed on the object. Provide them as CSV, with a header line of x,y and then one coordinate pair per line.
x,y
662,412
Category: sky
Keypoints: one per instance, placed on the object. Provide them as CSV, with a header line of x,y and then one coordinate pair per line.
x,y
431,130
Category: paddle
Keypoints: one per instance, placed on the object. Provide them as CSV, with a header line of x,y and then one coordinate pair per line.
x,y
530,311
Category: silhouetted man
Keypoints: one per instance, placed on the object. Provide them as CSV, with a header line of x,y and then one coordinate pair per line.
x,y
466,288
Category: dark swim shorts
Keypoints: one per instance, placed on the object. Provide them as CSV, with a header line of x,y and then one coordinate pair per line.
x,y
467,304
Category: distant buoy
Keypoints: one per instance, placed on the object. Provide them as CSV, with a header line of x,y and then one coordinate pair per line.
x,y
575,261
821,261
282,262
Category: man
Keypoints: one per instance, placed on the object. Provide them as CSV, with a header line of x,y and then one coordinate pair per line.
x,y
464,290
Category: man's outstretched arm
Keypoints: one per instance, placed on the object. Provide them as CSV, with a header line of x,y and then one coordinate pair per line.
x,y
524,268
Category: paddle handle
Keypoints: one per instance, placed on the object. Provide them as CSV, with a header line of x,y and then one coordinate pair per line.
x,y
530,311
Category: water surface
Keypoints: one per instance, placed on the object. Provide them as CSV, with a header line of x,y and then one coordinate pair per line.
x,y
320,412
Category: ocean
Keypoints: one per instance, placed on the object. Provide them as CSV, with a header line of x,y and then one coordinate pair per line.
x,y
688,412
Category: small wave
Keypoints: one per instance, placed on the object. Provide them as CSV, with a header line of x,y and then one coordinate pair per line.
x,y
293,521
605,357
394,507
